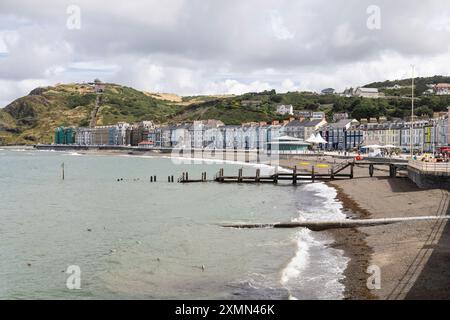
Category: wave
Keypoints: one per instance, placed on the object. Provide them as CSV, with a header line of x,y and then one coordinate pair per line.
x,y
301,258
316,269
76,154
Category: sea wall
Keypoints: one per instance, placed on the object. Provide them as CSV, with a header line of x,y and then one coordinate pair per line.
x,y
429,181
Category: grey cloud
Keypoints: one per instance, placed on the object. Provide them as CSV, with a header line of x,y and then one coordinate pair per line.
x,y
217,40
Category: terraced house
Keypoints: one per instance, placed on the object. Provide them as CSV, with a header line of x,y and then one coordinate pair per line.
x,y
345,134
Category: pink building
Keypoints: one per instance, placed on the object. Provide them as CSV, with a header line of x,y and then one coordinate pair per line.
x,y
442,89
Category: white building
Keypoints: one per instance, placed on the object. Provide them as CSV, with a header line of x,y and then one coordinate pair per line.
x,y
318,115
367,92
285,110
84,136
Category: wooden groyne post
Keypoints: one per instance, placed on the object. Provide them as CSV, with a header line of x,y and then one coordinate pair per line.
x,y
294,176
352,167
392,171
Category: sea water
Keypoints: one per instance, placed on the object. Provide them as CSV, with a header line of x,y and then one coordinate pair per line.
x,y
135,239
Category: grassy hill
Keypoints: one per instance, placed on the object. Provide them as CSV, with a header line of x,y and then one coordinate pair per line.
x,y
33,118
420,84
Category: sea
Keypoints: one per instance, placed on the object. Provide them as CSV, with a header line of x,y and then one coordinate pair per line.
x,y
107,232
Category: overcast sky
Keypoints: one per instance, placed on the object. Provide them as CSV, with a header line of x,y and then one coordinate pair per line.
x,y
220,46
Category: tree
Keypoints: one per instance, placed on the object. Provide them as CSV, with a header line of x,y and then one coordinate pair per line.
x,y
276,98
423,111
366,109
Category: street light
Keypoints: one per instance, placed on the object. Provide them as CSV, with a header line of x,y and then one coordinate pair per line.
x,y
412,111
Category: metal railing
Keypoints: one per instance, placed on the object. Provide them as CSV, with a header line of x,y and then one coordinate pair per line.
x,y
430,167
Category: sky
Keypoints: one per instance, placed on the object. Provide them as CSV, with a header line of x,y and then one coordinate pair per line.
x,y
192,47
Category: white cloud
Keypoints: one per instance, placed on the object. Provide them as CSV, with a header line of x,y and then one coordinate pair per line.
x,y
344,36
280,31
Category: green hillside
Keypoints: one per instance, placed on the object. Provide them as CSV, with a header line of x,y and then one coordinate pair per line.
x,y
420,84
33,118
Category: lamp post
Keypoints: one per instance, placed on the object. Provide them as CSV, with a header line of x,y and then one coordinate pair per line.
x,y
412,112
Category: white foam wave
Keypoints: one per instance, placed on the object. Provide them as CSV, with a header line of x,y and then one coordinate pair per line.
x,y
316,266
76,154
300,261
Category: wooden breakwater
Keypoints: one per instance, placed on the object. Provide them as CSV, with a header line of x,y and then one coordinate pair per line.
x,y
275,178
344,170
333,224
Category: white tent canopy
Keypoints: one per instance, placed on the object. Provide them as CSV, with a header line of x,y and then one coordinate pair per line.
x,y
320,139
316,139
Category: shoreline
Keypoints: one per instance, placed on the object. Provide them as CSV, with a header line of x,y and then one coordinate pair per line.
x,y
410,256
403,252
353,243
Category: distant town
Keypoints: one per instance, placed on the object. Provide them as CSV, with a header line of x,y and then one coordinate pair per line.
x,y
302,130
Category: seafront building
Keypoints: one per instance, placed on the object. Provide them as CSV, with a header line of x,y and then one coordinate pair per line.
x,y
343,135
64,135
